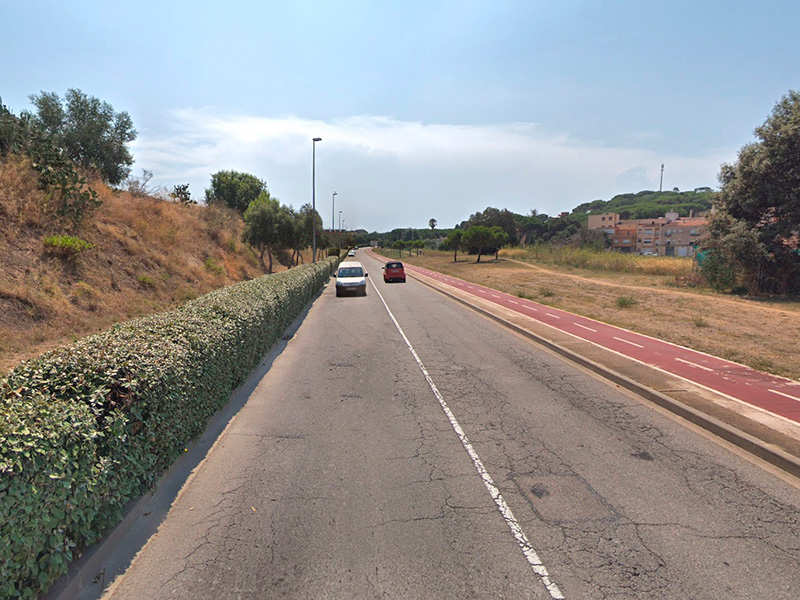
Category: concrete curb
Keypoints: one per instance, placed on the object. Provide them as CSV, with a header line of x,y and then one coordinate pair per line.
x,y
753,445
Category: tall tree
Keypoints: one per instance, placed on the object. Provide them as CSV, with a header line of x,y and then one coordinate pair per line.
x,y
309,221
492,217
499,239
755,223
264,229
454,242
234,189
399,245
91,133
479,238
432,224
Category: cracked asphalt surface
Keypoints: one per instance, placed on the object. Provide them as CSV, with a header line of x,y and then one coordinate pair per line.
x,y
342,478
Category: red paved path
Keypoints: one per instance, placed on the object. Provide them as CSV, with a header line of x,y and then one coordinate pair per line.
x,y
771,393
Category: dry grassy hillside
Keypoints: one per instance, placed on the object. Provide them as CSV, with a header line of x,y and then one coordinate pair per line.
x,y
147,255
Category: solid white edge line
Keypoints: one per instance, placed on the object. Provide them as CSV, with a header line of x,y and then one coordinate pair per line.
x,y
691,364
505,510
784,394
619,339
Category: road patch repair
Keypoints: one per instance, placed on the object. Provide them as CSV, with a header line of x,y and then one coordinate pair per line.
x,y
773,437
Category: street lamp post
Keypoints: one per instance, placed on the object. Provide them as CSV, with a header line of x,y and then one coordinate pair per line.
x,y
340,230
314,198
333,211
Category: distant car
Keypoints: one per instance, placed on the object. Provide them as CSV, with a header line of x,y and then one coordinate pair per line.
x,y
351,278
394,271
351,253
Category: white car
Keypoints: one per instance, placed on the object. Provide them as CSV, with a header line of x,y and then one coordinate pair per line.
x,y
351,278
351,253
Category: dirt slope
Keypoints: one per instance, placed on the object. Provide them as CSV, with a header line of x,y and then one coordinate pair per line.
x,y
147,255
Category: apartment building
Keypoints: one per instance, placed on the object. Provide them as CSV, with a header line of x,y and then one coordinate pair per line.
x,y
606,222
670,235
623,237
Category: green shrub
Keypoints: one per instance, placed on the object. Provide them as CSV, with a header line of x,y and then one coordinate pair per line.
x,y
211,265
626,302
146,281
66,245
88,427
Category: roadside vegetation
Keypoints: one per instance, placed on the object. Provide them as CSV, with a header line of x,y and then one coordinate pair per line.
x,y
96,403
85,245
600,261
134,255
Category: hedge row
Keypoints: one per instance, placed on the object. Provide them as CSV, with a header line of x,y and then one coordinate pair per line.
x,y
86,428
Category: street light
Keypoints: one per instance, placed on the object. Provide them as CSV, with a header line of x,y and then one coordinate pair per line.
x,y
314,198
333,211
340,230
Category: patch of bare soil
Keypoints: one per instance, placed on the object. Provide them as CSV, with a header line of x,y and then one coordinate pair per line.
x,y
760,334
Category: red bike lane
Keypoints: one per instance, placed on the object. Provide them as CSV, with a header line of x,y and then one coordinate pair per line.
x,y
776,395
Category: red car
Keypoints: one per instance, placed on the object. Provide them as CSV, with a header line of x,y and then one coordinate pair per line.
x,y
393,271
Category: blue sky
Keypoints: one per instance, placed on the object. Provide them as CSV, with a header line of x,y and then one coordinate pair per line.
x,y
426,109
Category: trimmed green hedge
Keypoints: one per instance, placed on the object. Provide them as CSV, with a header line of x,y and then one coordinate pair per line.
x,y
86,428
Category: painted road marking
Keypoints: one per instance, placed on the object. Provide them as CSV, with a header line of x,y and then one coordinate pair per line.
x,y
495,296
552,315
585,327
691,364
784,395
505,510
628,342
513,302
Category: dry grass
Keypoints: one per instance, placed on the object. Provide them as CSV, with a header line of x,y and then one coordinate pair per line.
x,y
602,262
22,204
148,255
758,333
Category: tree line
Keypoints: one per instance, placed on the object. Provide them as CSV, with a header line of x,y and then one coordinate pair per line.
x,y
72,139
752,243
270,227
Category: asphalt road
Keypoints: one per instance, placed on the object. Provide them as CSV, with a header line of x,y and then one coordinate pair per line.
x,y
475,466
777,395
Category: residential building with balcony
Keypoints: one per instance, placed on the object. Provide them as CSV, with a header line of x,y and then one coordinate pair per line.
x,y
670,235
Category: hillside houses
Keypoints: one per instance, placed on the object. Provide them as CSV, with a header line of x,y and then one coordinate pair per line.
x,y
670,235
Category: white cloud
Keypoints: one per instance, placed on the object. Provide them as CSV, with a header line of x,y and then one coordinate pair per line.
x,y
390,173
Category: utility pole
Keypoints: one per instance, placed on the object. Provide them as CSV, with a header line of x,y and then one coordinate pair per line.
x,y
314,198
333,212
661,183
